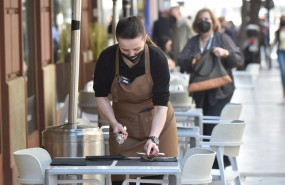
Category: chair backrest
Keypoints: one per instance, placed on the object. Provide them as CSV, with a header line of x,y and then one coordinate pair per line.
x,y
228,135
230,112
31,163
253,68
89,86
197,164
247,78
181,99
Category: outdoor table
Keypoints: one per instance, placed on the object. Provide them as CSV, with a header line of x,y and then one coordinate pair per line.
x,y
132,166
196,113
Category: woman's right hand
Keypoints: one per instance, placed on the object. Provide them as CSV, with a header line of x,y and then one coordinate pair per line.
x,y
117,127
220,52
151,149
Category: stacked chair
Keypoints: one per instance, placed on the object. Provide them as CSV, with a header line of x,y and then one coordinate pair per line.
x,y
226,139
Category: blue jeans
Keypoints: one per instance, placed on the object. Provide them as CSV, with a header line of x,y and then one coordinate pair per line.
x,y
281,59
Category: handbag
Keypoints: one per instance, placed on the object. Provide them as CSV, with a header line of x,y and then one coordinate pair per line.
x,y
207,73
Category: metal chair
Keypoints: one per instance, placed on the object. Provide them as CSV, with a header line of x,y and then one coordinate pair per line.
x,y
226,139
195,168
31,164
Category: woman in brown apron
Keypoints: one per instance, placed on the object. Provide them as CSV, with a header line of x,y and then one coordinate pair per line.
x,y
141,100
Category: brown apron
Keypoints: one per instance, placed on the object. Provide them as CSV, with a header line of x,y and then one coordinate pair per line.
x,y
128,101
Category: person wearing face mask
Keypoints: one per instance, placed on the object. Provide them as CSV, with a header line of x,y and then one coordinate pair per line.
x,y
280,40
136,74
208,37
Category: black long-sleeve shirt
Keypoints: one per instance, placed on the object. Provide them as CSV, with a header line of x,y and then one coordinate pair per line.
x,y
105,73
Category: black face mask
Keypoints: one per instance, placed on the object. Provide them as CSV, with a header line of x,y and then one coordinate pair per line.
x,y
204,26
134,58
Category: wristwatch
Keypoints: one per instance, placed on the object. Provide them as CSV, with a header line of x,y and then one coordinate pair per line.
x,y
154,139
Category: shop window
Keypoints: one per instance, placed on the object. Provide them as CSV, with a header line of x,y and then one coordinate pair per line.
x,y
29,61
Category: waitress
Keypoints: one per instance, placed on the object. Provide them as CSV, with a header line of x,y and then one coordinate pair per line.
x,y
136,74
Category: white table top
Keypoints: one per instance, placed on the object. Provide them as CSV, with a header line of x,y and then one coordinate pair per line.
x,y
115,169
165,168
188,112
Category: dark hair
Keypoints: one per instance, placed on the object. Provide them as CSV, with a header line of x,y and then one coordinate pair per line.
x,y
161,41
130,28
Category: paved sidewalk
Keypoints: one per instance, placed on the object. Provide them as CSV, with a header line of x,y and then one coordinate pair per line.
x,y
261,160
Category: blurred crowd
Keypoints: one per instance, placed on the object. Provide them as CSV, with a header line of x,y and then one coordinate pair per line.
x,y
172,31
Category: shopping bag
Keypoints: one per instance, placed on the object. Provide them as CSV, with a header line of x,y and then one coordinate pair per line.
x,y
207,73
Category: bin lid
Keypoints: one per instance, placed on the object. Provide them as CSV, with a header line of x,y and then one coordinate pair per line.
x,y
80,125
67,132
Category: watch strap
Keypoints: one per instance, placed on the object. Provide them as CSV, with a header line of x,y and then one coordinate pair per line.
x,y
154,139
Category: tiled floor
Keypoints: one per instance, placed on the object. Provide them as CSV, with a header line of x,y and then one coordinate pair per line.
x,y
261,160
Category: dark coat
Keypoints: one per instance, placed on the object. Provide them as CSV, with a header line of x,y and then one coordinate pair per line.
x,y
234,59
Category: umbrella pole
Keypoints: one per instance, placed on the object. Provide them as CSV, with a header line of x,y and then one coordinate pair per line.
x,y
75,55
114,20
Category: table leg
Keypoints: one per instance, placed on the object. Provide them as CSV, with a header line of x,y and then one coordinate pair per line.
x,y
108,180
50,179
199,123
174,180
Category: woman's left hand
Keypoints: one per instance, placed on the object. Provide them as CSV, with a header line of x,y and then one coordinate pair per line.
x,y
151,149
220,52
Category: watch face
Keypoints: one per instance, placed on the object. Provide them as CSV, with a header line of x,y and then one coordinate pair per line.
x,y
154,139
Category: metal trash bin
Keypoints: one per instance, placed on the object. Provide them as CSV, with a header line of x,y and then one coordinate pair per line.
x,y
65,141
76,138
